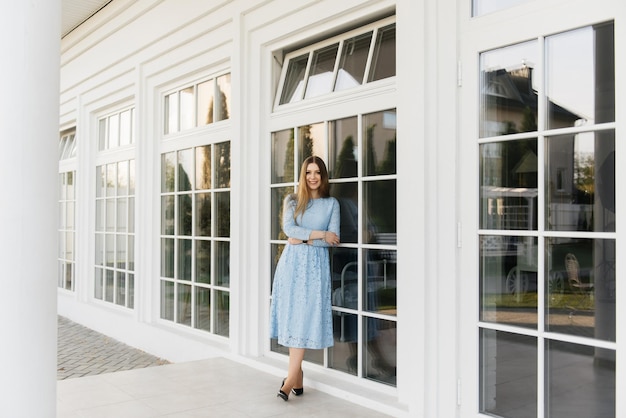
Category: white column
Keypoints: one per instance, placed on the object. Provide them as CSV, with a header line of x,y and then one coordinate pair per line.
x,y
29,125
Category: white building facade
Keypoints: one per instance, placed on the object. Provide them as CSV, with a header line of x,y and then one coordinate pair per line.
x,y
474,147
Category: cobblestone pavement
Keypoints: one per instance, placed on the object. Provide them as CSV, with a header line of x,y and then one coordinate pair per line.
x,y
84,352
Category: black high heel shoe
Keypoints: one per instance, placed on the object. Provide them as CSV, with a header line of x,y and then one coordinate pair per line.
x,y
282,394
298,391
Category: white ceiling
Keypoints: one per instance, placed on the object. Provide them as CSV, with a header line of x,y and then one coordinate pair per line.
x,y
76,12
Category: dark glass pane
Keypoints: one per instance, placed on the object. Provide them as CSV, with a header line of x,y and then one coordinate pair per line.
x,y
184,304
379,143
131,291
347,194
222,165
222,213
167,257
508,374
203,261
185,169
508,280
580,78
203,215
353,61
580,292
380,345
345,287
109,285
183,259
379,212
203,308
293,87
343,135
321,73
383,63
222,263
379,281
508,90
344,355
580,381
283,156
203,167
580,183
206,93
222,313
167,300
508,185
184,214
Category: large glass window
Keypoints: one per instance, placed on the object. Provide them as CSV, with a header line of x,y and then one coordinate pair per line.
x,y
66,263
350,60
360,152
199,104
195,237
547,278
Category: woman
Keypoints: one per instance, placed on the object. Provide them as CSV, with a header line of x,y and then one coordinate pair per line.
x,y
301,316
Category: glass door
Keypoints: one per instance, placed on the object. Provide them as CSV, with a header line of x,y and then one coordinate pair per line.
x,y
542,239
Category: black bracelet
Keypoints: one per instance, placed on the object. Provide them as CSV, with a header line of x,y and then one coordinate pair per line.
x,y
304,241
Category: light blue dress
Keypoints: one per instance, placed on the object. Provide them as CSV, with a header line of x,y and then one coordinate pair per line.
x,y
300,314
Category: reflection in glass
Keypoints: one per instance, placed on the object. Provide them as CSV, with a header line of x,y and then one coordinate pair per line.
x,y
203,215
584,305
508,90
222,165
126,128
203,308
379,212
282,156
168,172
183,259
222,313
206,91
312,141
167,215
203,167
379,281
508,185
508,280
114,131
347,194
109,283
122,214
277,250
508,374
379,143
580,77
353,61
223,99
384,57
167,300
167,257
184,214
184,304
580,381
379,362
111,179
122,178
342,161
222,214
222,263
344,355
294,80
120,249
203,261
320,79
580,182
120,294
279,195
185,169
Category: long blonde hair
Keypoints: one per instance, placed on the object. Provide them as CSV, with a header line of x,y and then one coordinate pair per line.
x,y
303,195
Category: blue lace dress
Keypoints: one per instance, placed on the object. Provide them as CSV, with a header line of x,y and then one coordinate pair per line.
x,y
300,315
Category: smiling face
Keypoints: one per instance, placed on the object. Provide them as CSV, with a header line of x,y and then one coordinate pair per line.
x,y
313,178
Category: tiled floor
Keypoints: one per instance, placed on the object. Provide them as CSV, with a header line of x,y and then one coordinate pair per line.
x,y
215,387
99,377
